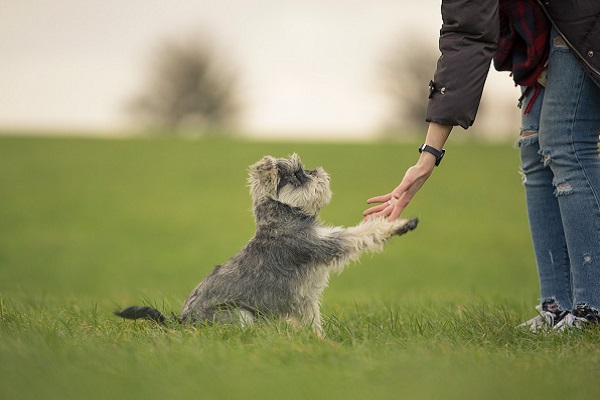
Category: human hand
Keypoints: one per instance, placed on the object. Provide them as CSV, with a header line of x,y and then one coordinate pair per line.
x,y
396,201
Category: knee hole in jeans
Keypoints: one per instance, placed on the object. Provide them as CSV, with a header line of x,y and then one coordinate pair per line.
x,y
563,189
528,133
527,137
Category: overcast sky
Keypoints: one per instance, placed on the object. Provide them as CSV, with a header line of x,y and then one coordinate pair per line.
x,y
305,65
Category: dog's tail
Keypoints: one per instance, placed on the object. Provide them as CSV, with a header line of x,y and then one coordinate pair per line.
x,y
142,312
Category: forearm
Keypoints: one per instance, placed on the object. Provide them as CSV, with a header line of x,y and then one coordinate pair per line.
x,y
437,135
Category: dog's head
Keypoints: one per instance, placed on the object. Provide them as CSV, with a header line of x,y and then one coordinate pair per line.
x,y
285,180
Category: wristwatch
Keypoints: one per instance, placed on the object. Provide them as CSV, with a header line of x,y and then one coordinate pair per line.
x,y
438,154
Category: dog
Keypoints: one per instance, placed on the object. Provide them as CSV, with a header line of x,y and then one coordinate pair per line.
x,y
282,271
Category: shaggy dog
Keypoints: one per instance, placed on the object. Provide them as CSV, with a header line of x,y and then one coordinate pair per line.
x,y
285,267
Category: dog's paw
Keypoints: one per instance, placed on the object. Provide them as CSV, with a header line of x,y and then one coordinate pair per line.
x,y
404,225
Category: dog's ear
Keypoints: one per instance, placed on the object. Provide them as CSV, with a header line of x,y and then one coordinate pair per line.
x,y
296,161
263,177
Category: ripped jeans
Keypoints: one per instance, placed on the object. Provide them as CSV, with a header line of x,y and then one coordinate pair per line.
x,y
561,175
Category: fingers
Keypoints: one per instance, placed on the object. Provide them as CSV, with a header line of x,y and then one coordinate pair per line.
x,y
396,201
385,199
379,199
397,209
392,208
375,210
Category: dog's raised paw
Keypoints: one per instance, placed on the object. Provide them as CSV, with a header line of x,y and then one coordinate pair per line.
x,y
406,225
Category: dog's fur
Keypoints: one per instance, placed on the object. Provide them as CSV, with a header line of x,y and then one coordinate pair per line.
x,y
285,267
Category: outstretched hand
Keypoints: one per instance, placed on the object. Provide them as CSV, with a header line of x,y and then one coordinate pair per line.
x,y
392,204
396,201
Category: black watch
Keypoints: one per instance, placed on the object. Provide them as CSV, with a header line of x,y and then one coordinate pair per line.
x,y
438,154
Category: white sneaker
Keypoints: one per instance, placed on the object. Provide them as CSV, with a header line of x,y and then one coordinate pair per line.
x,y
550,316
582,315
570,321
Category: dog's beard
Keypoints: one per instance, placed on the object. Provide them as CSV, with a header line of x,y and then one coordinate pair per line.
x,y
310,197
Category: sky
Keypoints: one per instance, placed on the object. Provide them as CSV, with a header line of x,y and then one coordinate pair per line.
x,y
307,67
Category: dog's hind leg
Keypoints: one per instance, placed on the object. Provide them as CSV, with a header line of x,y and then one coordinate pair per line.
x,y
234,316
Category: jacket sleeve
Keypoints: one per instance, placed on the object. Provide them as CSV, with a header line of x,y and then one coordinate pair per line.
x,y
467,42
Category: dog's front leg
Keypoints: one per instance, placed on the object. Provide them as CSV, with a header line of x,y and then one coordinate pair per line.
x,y
308,315
368,236
372,234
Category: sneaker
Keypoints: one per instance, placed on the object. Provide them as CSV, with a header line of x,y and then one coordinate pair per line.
x,y
581,315
550,315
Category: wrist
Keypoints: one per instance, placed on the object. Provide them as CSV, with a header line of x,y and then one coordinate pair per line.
x,y
426,164
437,154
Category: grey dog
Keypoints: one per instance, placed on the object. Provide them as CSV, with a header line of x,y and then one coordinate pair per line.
x,y
285,267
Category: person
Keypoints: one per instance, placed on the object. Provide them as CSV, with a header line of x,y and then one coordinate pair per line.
x,y
552,48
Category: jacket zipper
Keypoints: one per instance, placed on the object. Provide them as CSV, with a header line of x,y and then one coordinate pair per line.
x,y
567,41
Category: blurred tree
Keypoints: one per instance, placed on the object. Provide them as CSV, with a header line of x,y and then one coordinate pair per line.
x,y
189,90
405,73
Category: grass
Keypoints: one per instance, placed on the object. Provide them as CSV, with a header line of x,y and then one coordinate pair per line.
x,y
87,226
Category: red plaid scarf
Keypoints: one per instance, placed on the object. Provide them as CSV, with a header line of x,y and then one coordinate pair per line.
x,y
523,43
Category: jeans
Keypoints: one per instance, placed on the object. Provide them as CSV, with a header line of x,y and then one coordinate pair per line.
x,y
561,176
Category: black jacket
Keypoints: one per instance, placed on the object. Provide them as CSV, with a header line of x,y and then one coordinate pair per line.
x,y
578,22
468,41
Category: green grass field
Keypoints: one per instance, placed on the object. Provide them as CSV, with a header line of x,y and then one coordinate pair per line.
x,y
88,226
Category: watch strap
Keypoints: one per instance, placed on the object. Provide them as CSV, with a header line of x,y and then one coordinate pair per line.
x,y
438,154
